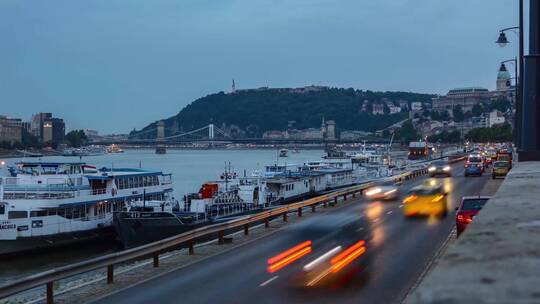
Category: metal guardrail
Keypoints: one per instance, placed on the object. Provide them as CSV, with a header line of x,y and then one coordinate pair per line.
x,y
189,238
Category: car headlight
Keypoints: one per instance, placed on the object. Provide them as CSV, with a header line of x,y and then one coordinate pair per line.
x,y
373,191
447,168
431,169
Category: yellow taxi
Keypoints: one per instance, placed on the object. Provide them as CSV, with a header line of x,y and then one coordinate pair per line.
x,y
500,168
427,199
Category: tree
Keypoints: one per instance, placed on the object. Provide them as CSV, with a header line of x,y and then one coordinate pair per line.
x,y
29,140
497,133
458,113
407,132
76,138
446,137
501,104
477,110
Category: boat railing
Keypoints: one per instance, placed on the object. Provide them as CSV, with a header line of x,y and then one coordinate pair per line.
x,y
24,195
98,191
90,218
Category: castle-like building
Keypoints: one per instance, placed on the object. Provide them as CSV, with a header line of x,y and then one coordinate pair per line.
x,y
470,96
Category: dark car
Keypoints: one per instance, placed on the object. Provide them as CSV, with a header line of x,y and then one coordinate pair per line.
x,y
467,210
439,167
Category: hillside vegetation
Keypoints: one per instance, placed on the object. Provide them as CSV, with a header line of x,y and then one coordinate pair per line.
x,y
249,113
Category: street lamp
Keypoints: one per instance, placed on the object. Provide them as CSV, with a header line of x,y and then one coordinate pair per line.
x,y
502,41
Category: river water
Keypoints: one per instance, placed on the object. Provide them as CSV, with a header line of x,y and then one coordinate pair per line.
x,y
189,168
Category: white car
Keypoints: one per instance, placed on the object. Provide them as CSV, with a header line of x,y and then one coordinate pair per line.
x,y
382,191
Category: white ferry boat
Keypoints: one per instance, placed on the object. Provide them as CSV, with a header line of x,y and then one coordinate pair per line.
x,y
51,204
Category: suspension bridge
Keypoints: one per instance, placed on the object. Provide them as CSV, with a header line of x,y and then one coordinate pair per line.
x,y
207,133
211,134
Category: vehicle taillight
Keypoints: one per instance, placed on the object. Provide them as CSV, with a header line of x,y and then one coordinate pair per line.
x,y
463,218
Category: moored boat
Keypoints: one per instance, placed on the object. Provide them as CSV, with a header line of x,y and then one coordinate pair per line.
x,y
52,204
146,222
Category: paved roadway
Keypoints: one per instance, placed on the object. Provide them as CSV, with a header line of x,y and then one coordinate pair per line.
x,y
398,250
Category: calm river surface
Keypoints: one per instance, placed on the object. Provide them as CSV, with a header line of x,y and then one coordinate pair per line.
x,y
189,168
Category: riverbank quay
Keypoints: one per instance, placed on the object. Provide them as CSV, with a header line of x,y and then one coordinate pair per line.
x,y
4,154
497,258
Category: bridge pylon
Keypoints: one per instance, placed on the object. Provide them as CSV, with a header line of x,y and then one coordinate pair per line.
x,y
160,145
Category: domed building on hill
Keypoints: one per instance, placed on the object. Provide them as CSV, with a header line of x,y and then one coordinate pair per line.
x,y
504,80
468,97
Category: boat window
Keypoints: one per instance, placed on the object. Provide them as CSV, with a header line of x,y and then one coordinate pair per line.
x,y
17,214
38,213
49,170
2,209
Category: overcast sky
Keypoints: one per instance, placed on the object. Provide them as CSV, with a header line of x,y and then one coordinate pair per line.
x,y
115,65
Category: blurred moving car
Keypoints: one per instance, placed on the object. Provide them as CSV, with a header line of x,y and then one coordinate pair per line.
x,y
439,167
383,191
467,210
500,168
474,165
426,199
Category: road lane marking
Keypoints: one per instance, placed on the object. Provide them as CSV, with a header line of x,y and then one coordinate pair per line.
x,y
401,206
389,212
360,229
375,220
268,281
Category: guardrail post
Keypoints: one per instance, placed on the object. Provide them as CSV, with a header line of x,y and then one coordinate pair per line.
x,y
300,212
156,260
285,216
335,200
246,229
325,204
50,295
354,194
345,197
191,250
110,274
313,208
220,238
266,223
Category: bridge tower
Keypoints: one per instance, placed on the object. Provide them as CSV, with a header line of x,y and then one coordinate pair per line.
x,y
160,145
211,131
